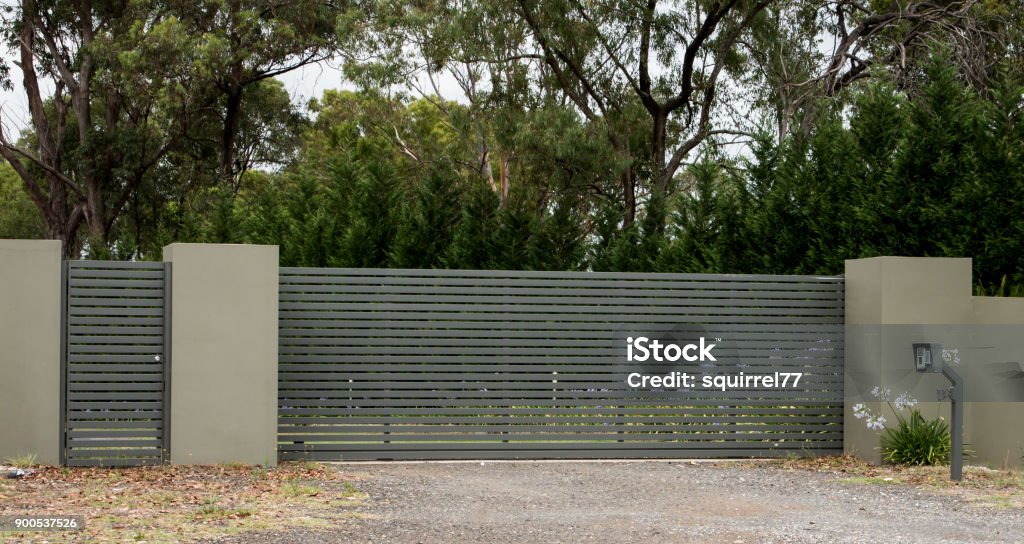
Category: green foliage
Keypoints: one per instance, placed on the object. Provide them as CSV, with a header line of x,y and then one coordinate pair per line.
x,y
18,216
917,441
429,225
934,174
517,175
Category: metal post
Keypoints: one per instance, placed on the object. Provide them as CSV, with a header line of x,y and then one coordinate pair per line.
x,y
64,303
956,394
165,456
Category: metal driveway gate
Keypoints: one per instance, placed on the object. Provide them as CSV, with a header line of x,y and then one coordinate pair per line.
x,y
115,363
449,364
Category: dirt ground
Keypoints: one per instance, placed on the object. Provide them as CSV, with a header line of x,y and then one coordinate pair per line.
x,y
172,504
660,502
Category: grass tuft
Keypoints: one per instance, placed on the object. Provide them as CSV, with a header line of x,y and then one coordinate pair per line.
x,y
22,461
295,488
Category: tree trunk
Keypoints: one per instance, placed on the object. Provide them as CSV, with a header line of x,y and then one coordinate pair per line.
x,y
232,117
629,196
503,177
663,178
55,218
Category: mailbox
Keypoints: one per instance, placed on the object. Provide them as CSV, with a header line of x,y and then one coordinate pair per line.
x,y
928,358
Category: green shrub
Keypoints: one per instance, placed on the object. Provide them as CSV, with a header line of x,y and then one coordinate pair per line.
x,y
917,441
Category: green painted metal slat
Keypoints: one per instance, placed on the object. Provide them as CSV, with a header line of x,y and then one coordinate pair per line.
x,y
336,370
559,440
330,310
108,453
494,421
547,325
504,380
94,358
128,265
131,273
456,345
375,273
115,364
394,431
564,299
115,442
499,319
120,406
754,448
113,282
327,284
118,293
341,291
733,343
495,351
90,300
153,418
288,405
119,339
112,398
297,336
83,311
402,397
122,321
116,426
81,386
784,449
483,359
296,416
144,349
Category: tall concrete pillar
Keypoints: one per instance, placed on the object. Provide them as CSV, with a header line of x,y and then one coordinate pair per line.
x,y
30,347
223,353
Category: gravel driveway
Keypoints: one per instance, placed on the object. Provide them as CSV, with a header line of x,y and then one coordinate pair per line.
x,y
650,502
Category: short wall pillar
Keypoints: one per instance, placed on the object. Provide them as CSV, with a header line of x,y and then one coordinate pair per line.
x,y
30,349
891,302
223,353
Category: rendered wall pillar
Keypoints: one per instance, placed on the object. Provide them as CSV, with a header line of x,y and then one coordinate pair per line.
x,y
30,346
223,353
997,428
891,302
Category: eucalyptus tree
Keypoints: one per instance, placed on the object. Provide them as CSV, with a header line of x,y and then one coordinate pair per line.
x,y
240,43
656,79
106,88
115,87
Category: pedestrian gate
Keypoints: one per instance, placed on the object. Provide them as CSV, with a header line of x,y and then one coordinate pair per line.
x,y
449,364
115,363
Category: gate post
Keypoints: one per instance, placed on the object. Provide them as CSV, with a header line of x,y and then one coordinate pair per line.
x,y
891,302
30,350
223,394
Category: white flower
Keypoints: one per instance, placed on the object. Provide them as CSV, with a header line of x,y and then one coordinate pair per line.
x,y
881,393
951,356
876,423
905,401
860,411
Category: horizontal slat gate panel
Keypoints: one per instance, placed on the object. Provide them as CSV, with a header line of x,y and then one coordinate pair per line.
x,y
115,364
449,364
